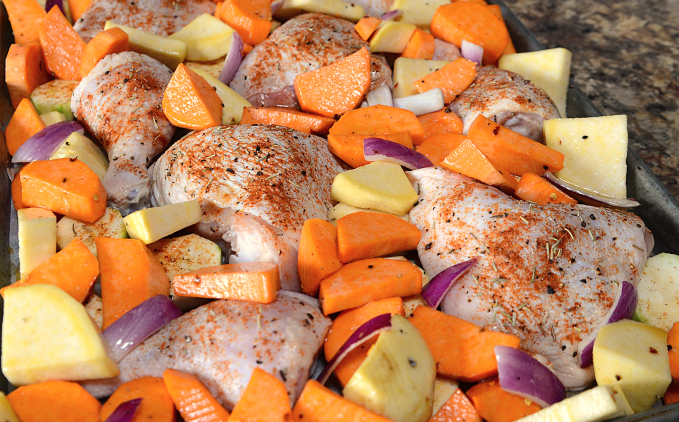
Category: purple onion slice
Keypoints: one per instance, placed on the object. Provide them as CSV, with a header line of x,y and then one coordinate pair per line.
x,y
589,197
391,15
472,52
49,4
378,149
275,5
233,59
125,411
138,324
380,96
41,145
624,305
523,375
434,292
364,333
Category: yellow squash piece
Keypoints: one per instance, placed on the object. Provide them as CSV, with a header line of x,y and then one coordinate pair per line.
x,y
37,237
391,37
80,147
168,51
151,224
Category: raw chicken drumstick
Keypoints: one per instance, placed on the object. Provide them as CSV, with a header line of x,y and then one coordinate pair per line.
x,y
119,102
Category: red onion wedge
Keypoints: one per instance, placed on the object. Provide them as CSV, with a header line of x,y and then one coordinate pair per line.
x,y
589,197
471,51
139,323
378,149
275,5
426,102
525,376
365,332
380,96
125,411
391,15
233,59
623,307
41,145
49,4
434,292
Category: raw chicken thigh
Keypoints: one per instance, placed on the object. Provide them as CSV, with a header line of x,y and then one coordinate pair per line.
x,y
306,42
256,185
160,17
221,343
508,99
545,274
119,102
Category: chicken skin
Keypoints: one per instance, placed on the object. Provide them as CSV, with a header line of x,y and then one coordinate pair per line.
x,y
545,274
119,102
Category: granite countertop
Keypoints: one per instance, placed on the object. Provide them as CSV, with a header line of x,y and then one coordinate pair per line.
x,y
626,60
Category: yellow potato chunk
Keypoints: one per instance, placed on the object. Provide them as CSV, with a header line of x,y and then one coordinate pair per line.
x,y
168,51
417,12
37,237
206,37
407,71
151,224
391,37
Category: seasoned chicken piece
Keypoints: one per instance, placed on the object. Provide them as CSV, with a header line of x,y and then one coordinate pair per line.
x,y
119,102
221,343
306,42
256,186
508,99
545,274
160,17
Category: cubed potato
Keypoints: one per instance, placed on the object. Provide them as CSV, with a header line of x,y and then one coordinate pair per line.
x,y
595,150
80,147
397,378
340,210
206,38
548,69
391,37
108,225
6,412
633,356
417,12
658,292
407,71
443,389
37,237
48,335
232,111
168,51
151,224
341,9
380,186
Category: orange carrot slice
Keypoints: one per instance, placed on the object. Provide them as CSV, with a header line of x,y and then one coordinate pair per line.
x,y
318,404
359,282
25,16
442,121
349,148
156,404
377,120
130,274
438,146
265,399
337,88
420,46
474,22
344,326
461,349
54,401
253,281
457,408
496,405
78,7
189,101
193,400
512,151
362,235
110,41
317,256
62,47
497,11
536,189
73,269
452,78
250,18
288,117
24,71
16,192
467,159
25,122
65,186
673,343
366,26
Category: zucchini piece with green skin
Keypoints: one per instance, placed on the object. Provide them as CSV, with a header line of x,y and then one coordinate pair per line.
x,y
54,95
658,290
52,117
108,225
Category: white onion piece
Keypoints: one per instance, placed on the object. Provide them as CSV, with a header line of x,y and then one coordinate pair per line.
x,y
275,5
426,102
472,52
380,96
523,375
364,104
41,145
391,15
233,59
378,149
623,307
362,334
301,296
589,197
437,288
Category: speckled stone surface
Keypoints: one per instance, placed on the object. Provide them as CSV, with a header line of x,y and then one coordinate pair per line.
x,y
626,59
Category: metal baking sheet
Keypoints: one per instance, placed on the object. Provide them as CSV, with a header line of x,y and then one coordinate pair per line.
x,y
659,210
